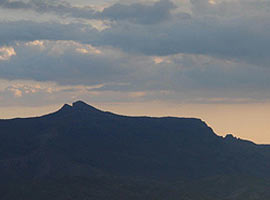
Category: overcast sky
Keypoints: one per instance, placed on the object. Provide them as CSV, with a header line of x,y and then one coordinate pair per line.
x,y
201,52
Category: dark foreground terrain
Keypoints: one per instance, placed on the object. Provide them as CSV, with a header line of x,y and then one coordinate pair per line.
x,y
82,153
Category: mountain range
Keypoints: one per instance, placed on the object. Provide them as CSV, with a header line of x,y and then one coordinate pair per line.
x,y
82,153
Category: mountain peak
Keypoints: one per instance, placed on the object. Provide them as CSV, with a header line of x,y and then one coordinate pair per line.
x,y
66,108
82,106
78,106
230,137
79,103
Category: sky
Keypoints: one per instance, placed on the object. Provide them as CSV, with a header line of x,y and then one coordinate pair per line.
x,y
188,58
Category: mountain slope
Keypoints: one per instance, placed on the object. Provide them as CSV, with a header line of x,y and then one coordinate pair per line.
x,y
80,147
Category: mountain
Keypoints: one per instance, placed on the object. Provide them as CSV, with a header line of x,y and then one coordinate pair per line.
x,y
80,152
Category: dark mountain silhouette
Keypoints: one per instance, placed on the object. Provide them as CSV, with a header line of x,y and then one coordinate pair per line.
x,y
80,152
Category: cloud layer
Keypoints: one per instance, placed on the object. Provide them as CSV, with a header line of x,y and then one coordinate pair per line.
x,y
135,12
194,51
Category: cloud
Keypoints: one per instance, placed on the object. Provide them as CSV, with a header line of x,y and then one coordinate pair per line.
x,y
67,62
136,12
44,6
16,92
6,53
14,4
29,31
214,54
244,39
236,37
35,93
100,71
139,13
36,43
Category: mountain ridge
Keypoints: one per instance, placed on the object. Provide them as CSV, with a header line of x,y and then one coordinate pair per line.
x,y
88,107
82,143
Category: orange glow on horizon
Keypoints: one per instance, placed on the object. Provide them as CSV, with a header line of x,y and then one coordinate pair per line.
x,y
246,121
